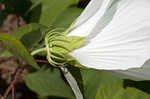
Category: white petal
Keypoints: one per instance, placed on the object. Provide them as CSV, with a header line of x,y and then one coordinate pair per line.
x,y
124,43
90,16
135,74
89,11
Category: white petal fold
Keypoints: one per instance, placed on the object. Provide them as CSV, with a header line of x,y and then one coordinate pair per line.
x,y
123,43
90,16
137,74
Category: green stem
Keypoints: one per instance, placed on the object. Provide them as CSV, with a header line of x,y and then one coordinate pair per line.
x,y
72,82
38,51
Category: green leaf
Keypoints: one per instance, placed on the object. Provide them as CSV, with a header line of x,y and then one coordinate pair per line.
x,y
10,43
130,93
30,34
101,85
65,19
35,3
93,79
5,53
49,82
52,8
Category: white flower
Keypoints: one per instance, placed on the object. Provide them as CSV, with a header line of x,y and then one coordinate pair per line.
x,y
118,34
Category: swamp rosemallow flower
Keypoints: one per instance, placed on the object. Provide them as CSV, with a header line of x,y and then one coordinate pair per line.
x,y
118,40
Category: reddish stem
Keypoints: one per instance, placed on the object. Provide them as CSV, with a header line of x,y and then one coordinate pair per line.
x,y
13,92
42,61
17,73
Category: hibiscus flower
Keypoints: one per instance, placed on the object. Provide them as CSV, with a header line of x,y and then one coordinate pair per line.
x,y
118,37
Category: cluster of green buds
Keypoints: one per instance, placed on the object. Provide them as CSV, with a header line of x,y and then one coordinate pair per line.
x,y
56,51
57,48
